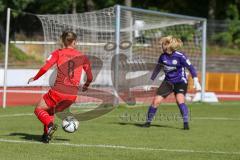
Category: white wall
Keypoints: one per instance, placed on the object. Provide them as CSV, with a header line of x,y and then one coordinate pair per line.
x,y
19,77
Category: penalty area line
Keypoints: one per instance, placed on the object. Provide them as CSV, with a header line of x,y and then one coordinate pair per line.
x,y
122,147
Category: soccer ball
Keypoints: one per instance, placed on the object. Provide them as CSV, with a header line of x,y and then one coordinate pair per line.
x,y
70,124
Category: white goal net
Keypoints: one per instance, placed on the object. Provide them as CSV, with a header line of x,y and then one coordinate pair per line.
x,y
122,45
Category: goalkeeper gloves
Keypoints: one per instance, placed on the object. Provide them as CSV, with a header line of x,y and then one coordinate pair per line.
x,y
196,84
149,85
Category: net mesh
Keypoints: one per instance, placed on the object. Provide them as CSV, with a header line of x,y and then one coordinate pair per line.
x,y
139,49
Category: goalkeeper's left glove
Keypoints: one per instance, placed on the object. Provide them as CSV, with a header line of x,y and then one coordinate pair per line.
x,y
196,84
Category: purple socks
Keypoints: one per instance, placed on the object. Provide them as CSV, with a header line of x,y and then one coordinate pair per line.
x,y
184,111
151,113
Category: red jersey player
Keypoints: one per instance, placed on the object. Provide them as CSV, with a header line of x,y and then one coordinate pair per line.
x,y
63,93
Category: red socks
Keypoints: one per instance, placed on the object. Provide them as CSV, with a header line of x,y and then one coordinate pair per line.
x,y
43,116
51,113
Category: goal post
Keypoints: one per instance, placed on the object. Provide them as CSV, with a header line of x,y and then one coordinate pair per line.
x,y
6,58
122,43
204,48
117,52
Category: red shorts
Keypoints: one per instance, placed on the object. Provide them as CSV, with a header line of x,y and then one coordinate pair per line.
x,y
53,98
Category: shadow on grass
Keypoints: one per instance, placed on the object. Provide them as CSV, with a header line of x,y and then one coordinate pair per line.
x,y
33,137
152,125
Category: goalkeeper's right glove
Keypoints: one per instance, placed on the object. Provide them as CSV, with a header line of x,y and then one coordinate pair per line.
x,y
148,86
196,84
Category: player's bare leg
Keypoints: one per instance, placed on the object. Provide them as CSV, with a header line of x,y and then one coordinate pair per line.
x,y
46,115
152,110
180,98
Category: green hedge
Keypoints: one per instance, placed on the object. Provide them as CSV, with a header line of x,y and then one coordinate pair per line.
x,y
16,54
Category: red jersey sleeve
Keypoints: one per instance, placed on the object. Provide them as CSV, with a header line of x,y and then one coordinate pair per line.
x,y
88,70
51,60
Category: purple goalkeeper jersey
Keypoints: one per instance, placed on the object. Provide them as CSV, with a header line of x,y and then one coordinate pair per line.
x,y
174,66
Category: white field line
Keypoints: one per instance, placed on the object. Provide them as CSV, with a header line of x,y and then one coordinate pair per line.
x,y
16,115
123,147
25,91
193,118
216,118
221,95
200,118
44,91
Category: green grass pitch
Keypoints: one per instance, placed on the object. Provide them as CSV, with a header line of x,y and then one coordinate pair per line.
x,y
213,135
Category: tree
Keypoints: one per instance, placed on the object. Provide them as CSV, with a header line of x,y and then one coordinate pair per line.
x,y
128,3
211,14
17,5
89,5
231,37
211,9
74,6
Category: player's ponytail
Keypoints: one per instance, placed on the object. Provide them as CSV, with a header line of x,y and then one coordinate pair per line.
x,y
67,38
